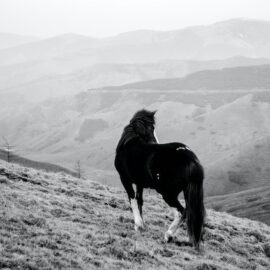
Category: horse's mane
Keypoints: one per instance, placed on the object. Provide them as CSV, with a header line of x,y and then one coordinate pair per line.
x,y
145,117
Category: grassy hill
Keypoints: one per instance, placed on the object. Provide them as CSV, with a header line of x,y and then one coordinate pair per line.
x,y
251,77
247,169
54,221
253,203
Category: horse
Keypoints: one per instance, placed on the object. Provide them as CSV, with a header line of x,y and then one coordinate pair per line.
x,y
169,168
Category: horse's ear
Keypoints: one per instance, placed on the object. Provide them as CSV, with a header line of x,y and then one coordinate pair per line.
x,y
154,112
153,115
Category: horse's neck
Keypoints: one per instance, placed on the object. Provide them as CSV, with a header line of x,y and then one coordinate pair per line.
x,y
128,135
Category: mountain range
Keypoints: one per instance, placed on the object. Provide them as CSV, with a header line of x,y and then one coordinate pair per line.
x,y
71,63
225,39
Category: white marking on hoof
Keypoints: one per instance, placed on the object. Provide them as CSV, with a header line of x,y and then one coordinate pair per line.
x,y
139,224
168,236
174,226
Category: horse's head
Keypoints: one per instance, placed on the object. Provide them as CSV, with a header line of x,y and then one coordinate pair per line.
x,y
143,123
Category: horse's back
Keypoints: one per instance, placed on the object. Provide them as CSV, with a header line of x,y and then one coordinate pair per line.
x,y
175,151
174,160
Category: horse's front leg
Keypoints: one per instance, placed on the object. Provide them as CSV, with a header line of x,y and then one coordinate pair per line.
x,y
132,197
136,206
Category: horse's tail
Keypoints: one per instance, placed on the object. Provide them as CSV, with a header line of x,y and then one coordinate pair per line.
x,y
195,211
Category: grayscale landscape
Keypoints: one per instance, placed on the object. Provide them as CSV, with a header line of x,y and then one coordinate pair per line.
x,y
64,102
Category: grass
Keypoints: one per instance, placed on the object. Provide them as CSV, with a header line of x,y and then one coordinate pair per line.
x,y
56,221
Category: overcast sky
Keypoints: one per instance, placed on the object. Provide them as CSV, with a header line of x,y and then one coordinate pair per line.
x,y
99,18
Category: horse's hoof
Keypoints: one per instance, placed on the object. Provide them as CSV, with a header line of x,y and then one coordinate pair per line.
x,y
139,227
168,237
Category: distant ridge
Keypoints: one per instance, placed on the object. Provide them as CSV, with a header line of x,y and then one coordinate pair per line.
x,y
238,37
8,40
33,79
250,77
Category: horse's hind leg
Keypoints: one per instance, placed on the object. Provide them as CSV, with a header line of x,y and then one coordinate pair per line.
x,y
178,213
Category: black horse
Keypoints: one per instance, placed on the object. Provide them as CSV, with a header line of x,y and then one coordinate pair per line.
x,y
168,168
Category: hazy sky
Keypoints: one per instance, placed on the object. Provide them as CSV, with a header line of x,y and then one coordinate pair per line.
x,y
101,18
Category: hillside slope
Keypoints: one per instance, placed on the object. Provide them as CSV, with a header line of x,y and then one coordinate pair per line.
x,y
253,203
8,40
46,166
53,221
